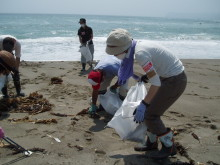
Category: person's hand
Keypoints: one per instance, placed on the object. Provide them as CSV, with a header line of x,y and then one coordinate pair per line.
x,y
92,109
144,79
2,134
140,111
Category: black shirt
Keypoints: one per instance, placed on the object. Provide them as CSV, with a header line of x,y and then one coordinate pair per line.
x,y
85,34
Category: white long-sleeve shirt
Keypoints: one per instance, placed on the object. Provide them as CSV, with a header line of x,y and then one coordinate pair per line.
x,y
17,46
153,57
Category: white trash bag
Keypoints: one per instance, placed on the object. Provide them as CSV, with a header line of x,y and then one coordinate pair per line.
x,y
86,53
110,102
123,120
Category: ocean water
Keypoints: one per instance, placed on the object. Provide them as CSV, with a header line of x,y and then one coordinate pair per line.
x,y
51,37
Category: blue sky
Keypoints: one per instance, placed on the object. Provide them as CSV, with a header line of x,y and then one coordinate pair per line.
x,y
155,8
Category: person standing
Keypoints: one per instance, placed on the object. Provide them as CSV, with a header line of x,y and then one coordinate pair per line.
x,y
10,44
85,34
168,81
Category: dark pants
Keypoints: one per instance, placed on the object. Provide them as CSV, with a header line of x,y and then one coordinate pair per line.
x,y
171,89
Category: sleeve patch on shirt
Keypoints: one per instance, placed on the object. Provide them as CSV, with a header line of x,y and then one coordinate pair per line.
x,y
147,66
151,74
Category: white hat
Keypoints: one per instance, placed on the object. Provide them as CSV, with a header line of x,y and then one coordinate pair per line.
x,y
118,41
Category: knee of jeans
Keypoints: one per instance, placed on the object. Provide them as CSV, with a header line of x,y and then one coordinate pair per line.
x,y
149,119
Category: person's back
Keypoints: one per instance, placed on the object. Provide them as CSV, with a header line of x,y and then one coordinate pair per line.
x,y
109,65
164,62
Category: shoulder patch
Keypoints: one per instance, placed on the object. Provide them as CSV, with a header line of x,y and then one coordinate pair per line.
x,y
147,66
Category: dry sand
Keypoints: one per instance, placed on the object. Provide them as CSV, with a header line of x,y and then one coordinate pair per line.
x,y
197,111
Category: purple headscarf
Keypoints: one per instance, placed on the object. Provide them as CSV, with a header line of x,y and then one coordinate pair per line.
x,y
126,69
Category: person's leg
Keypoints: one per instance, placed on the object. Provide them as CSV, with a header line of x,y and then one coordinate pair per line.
x,y
170,90
91,48
103,88
83,62
105,84
17,84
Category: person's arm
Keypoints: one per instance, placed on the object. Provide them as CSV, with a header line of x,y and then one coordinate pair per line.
x,y
151,93
17,53
144,60
17,62
91,34
80,40
94,96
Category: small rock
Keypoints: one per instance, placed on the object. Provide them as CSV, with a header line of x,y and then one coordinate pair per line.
x,y
207,121
77,140
100,151
79,147
212,126
75,118
88,138
73,123
218,137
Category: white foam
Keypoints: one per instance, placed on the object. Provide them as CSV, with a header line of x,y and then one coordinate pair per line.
x,y
66,49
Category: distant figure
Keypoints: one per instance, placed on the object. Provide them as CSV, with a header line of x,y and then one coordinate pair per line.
x,y
7,66
10,44
85,34
101,77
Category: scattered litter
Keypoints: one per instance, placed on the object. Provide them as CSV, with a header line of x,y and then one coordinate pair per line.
x,y
79,147
60,115
183,152
88,138
198,163
75,118
73,123
56,80
36,149
212,126
195,136
89,132
36,121
55,138
100,151
33,104
83,112
47,121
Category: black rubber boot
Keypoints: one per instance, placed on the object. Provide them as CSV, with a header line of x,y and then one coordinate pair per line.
x,y
17,84
148,146
168,147
5,92
83,66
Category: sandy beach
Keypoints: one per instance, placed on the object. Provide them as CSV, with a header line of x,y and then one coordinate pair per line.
x,y
86,141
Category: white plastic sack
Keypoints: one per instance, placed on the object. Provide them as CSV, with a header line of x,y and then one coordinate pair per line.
x,y
110,102
123,120
86,53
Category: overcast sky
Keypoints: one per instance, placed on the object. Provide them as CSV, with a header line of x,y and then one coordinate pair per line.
x,y
155,8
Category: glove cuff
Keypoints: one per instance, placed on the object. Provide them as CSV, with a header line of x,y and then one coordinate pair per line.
x,y
146,104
